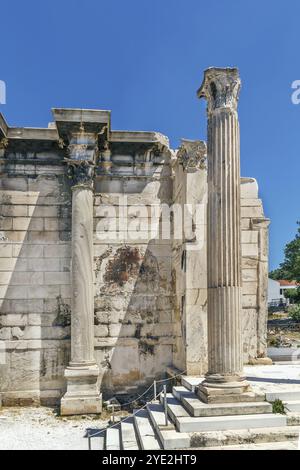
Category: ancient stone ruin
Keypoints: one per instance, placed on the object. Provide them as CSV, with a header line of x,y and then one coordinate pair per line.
x,y
122,259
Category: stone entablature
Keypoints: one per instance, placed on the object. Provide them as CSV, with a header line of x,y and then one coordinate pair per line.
x,y
149,295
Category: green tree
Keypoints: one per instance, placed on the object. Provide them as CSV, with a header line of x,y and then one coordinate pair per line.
x,y
290,268
293,295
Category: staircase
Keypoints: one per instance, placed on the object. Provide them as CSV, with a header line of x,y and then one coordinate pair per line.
x,y
194,424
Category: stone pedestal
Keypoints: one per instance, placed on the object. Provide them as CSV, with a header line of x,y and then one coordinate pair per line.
x,y
225,380
82,374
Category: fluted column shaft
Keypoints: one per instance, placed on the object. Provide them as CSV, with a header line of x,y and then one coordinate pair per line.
x,y
225,356
223,239
82,325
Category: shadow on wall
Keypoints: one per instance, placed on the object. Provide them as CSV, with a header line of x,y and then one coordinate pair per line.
x,y
35,287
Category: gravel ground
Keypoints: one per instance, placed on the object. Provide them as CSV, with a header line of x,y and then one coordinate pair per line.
x,y
40,428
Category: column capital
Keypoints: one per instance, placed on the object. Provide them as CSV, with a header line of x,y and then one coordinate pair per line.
x,y
81,173
220,88
82,154
192,154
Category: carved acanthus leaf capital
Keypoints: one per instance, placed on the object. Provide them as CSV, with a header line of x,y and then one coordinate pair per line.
x,y
220,87
80,172
192,154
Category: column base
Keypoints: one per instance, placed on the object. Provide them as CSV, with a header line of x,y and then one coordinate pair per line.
x,y
82,395
219,389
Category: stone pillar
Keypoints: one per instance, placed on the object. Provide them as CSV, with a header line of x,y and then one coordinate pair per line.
x,y
224,381
82,374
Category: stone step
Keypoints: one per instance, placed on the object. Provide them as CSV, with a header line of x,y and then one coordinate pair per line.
x,y
190,382
112,439
197,408
293,419
285,445
169,437
292,406
145,432
174,407
210,439
222,423
98,441
179,390
128,435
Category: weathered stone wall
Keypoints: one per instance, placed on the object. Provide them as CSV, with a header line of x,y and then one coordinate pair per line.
x,y
150,292
190,275
34,264
133,286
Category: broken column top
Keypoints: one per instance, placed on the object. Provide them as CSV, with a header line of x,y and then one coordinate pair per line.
x,y
220,87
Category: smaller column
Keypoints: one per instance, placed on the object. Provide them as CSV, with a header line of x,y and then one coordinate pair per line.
x,y
106,162
82,374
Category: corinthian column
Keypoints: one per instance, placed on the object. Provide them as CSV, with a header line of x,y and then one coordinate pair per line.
x,y
225,380
82,374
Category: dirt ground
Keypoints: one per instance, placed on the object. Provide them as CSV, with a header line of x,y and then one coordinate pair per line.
x,y
40,429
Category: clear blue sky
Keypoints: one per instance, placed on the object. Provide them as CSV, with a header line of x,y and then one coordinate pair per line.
x,y
144,60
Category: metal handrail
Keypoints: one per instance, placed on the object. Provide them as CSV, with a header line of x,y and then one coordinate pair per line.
x,y
155,396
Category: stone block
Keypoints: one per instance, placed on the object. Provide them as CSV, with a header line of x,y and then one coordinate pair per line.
x,y
7,264
13,211
16,236
26,278
57,250
43,237
249,188
51,224
249,275
13,319
249,263
60,278
16,292
42,292
251,212
249,301
251,202
101,330
17,333
5,277
5,333
43,211
249,288
249,249
6,223
65,291
46,265
249,236
245,223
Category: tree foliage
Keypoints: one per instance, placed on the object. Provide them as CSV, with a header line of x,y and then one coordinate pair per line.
x,y
290,268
